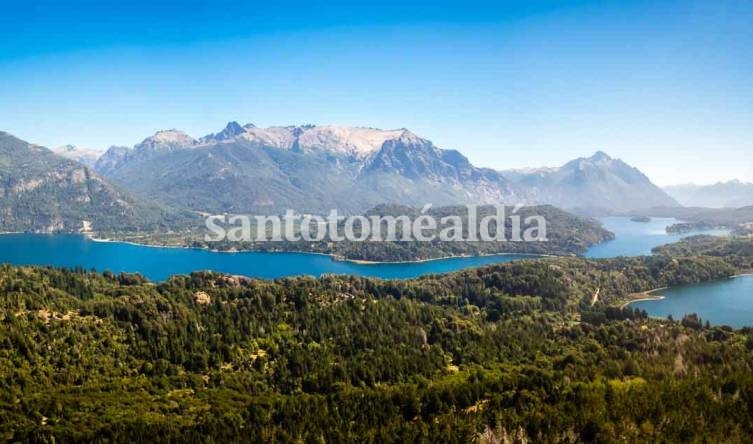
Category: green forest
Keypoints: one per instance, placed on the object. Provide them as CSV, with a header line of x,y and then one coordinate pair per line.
x,y
515,352
566,233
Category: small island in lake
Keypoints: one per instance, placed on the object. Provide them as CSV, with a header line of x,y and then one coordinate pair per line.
x,y
688,227
641,219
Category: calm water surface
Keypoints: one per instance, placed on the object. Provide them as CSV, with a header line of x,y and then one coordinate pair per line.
x,y
62,250
639,238
727,302
159,263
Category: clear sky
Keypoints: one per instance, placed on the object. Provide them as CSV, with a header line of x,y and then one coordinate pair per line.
x,y
665,85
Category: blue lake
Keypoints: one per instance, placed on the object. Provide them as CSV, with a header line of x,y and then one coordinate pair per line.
x,y
159,263
639,238
62,250
727,302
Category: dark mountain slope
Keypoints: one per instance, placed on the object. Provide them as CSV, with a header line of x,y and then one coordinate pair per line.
x,y
40,191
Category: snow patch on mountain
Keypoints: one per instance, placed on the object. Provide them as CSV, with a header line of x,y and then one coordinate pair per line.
x,y
343,140
358,142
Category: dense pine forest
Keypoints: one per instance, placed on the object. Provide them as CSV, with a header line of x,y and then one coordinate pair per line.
x,y
517,352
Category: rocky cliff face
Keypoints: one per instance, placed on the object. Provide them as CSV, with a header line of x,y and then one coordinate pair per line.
x,y
244,168
41,191
308,168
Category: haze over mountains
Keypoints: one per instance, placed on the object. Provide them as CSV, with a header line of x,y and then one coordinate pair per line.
x,y
86,156
317,168
308,168
247,169
732,194
598,184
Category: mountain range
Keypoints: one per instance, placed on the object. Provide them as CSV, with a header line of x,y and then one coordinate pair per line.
x,y
307,168
595,185
42,191
245,168
732,194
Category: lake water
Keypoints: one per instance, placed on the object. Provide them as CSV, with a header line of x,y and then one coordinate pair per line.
x,y
639,238
727,302
159,263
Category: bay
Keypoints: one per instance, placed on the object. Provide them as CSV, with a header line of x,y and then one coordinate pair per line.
x,y
639,238
725,302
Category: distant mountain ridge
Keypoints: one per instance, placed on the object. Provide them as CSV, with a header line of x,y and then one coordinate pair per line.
x,y
732,194
309,168
596,184
357,142
245,168
341,140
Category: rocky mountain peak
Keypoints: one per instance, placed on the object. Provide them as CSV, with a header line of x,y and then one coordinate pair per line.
x,y
599,183
600,156
230,132
348,141
43,191
167,139
407,138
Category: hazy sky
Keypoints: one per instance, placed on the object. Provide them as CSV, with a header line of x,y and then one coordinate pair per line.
x,y
667,86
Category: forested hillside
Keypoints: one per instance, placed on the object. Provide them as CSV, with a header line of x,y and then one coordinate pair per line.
x,y
516,351
43,192
737,250
566,234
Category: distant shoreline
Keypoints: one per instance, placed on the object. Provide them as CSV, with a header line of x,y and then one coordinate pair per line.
x,y
649,295
741,275
644,296
419,261
333,257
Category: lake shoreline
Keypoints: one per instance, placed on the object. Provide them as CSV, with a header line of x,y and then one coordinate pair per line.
x,y
421,261
741,275
650,296
723,301
333,257
159,263
643,296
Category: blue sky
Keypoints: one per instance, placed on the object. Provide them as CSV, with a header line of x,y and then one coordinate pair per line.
x,y
665,85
